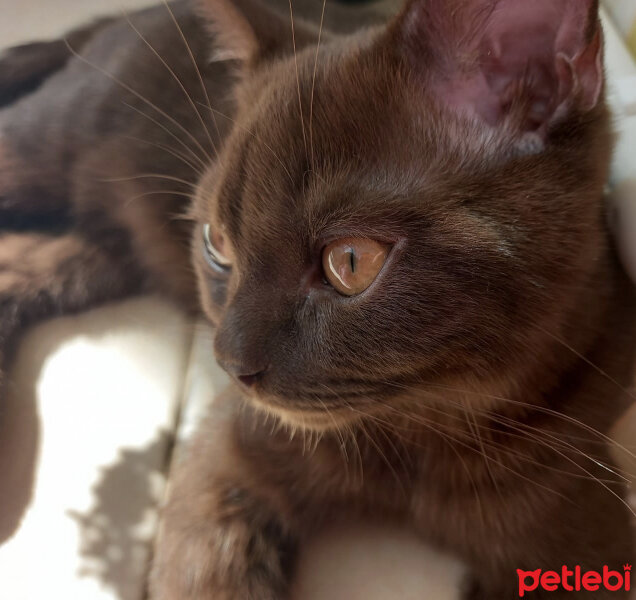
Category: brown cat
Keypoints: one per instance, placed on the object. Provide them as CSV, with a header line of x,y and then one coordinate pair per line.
x,y
399,235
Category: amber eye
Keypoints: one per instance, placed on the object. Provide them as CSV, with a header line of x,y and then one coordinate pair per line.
x,y
352,264
216,248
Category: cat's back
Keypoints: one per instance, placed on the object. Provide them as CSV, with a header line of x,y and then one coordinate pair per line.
x,y
139,82
148,58
140,60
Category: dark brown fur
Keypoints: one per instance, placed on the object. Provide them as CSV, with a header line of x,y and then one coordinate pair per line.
x,y
465,394
24,68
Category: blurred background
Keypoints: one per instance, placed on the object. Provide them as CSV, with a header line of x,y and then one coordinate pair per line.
x,y
623,13
37,19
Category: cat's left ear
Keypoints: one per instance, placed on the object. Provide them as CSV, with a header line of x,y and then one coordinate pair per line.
x,y
523,63
250,32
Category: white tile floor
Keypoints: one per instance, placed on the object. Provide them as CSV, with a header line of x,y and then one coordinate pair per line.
x,y
88,421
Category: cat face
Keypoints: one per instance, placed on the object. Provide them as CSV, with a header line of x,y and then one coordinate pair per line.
x,y
414,227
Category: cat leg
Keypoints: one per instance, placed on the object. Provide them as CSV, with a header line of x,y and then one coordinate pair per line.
x,y
45,275
224,535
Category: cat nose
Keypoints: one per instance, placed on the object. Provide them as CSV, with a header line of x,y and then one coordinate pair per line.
x,y
244,362
241,341
251,380
246,376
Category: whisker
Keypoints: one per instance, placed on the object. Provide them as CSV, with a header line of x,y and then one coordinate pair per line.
x,y
341,440
384,458
483,448
432,426
158,193
602,438
356,443
606,440
179,83
313,84
599,481
520,426
171,151
194,63
181,216
503,448
528,436
545,410
300,102
589,363
251,133
336,428
134,93
473,483
149,176
552,447
193,154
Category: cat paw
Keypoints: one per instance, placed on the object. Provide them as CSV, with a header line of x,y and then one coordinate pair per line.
x,y
229,555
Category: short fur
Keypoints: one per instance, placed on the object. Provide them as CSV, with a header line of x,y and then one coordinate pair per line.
x,y
468,392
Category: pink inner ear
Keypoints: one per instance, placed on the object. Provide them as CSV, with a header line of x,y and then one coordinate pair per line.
x,y
530,57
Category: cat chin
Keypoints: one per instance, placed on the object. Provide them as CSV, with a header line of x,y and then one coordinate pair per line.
x,y
319,421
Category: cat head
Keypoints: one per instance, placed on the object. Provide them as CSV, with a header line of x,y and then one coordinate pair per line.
x,y
413,204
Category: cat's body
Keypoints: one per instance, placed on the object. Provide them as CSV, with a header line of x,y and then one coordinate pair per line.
x,y
465,394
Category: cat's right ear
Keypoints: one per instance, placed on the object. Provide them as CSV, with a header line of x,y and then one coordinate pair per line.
x,y
250,32
519,64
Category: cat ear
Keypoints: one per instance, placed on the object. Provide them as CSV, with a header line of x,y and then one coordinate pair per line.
x,y
250,32
524,62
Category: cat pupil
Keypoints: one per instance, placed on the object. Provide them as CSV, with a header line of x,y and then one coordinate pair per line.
x,y
352,260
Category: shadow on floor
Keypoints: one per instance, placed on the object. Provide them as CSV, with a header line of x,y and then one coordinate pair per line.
x,y
117,533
